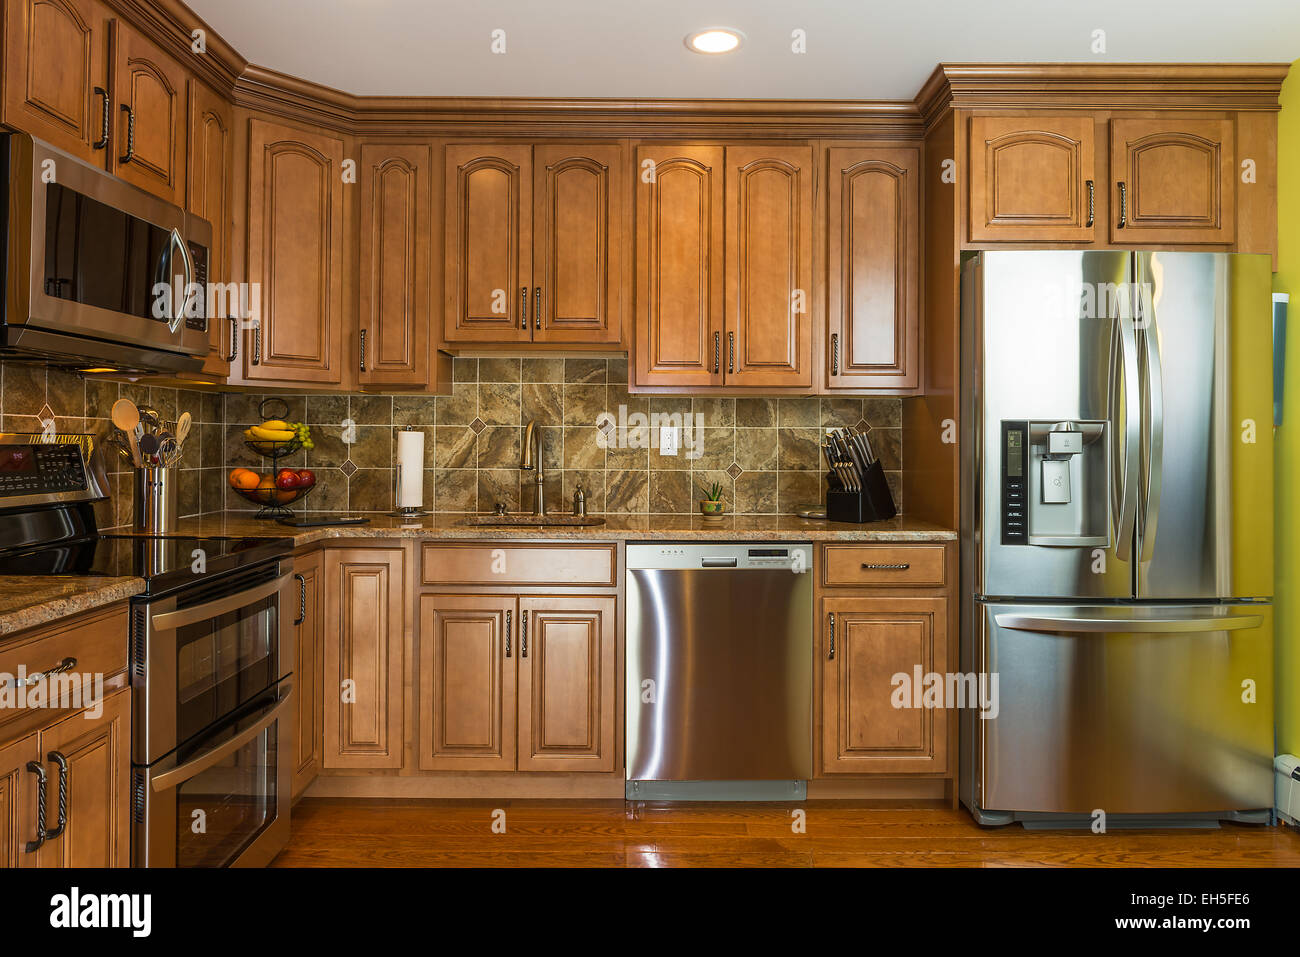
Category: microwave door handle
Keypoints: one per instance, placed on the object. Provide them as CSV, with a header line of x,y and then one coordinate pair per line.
x,y
200,763
1155,397
171,620
1085,625
178,242
1132,437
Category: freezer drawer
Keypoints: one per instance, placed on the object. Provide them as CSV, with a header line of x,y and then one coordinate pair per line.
x,y
1131,709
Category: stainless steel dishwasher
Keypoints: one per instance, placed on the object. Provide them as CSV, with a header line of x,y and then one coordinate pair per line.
x,y
719,670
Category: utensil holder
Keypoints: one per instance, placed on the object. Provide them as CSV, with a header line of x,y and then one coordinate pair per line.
x,y
157,500
873,503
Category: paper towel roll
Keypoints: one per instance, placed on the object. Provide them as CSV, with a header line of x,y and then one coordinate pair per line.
x,y
410,469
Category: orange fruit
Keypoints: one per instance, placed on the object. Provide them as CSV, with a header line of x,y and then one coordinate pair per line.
x,y
243,478
265,482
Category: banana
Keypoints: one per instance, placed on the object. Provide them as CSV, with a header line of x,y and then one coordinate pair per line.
x,y
270,435
276,425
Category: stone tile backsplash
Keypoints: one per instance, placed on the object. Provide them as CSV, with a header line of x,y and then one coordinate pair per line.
x,y
763,451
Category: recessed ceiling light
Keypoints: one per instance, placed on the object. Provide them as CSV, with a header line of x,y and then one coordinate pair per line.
x,y
714,40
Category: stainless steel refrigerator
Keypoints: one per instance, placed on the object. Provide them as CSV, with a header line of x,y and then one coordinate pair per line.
x,y
1117,536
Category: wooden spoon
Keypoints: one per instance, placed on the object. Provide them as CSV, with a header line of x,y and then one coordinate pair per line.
x,y
183,428
127,418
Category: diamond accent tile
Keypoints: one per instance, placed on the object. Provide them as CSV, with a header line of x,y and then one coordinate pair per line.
x,y
606,426
863,425
478,425
46,413
347,468
734,470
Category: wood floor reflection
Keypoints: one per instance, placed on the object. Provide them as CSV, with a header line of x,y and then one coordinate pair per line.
x,y
383,833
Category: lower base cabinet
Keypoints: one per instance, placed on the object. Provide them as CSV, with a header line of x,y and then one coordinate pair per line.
x,y
523,683
87,757
307,629
871,719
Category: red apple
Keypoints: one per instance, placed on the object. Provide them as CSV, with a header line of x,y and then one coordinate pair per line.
x,y
306,478
287,480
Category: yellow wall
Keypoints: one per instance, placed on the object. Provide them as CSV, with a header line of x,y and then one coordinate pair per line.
x,y
1287,448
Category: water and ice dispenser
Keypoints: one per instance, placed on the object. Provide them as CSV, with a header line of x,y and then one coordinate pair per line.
x,y
1055,483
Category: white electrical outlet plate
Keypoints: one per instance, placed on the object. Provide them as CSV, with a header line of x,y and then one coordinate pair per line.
x,y
669,442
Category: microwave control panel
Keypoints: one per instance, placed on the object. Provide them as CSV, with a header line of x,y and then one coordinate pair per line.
x,y
40,468
1015,484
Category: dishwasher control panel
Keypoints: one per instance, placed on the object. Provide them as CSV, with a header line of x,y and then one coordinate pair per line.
x,y
795,556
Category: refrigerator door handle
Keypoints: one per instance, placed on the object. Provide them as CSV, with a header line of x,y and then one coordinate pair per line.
x,y
1155,436
1170,623
1132,438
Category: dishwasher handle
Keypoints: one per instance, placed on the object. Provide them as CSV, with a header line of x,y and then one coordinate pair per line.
x,y
718,562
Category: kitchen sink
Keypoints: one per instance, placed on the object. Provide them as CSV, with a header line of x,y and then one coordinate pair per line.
x,y
531,521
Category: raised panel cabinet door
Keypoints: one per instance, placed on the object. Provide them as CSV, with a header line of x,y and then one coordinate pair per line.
x,y
577,244
680,264
1173,181
56,74
93,753
769,266
295,255
469,653
18,788
149,145
488,248
868,725
363,668
396,210
873,218
567,684
307,635
1032,179
208,188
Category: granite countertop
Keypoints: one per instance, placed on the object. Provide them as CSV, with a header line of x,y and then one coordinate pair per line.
x,y
29,601
616,528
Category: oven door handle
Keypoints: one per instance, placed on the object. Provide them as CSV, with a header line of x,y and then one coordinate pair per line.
x,y
199,764
171,620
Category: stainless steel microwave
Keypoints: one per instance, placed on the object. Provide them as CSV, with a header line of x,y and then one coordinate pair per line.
x,y
86,259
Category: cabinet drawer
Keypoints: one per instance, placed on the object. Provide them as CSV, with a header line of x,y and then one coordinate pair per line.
x,y
97,642
916,565
487,564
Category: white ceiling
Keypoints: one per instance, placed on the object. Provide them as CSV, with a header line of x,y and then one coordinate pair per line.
x,y
866,49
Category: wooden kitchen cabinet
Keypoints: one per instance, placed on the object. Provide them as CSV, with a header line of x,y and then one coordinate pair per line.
x,y
295,255
56,74
1173,181
523,683
97,754
308,628
469,648
18,785
864,643
208,188
151,116
873,282
1032,179
363,668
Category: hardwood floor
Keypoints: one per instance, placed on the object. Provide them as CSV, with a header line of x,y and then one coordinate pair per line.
x,y
383,833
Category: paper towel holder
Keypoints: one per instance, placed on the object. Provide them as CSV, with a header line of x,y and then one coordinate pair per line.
x,y
410,511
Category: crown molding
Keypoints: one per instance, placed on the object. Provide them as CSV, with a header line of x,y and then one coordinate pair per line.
x,y
171,24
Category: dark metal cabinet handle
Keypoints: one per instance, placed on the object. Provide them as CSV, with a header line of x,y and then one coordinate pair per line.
x,y
508,617
523,308
835,353
257,344
102,142
523,635
62,762
831,655
31,678
895,566
731,352
363,350
38,769
717,353
1092,203
1123,206
234,338
130,135
302,599
537,308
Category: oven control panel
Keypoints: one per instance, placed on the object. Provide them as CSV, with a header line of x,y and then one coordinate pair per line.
x,y
39,469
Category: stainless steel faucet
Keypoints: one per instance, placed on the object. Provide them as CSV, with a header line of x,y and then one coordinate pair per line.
x,y
532,461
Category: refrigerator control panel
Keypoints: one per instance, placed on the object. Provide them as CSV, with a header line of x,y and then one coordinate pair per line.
x,y
1015,514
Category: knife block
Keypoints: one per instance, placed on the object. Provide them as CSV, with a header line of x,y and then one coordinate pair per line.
x,y
873,504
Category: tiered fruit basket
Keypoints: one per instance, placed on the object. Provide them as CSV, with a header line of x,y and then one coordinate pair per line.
x,y
273,500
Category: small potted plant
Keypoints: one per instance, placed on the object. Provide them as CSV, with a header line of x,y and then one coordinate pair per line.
x,y
712,506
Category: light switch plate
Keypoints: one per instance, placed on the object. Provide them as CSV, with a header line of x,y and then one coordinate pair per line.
x,y
669,441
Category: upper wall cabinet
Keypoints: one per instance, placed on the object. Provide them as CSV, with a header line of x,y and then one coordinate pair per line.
x,y
1032,179
533,244
1173,181
396,198
873,215
208,186
56,74
724,267
149,149
295,255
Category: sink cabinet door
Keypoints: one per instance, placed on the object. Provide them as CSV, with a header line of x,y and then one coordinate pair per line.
x,y
469,650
